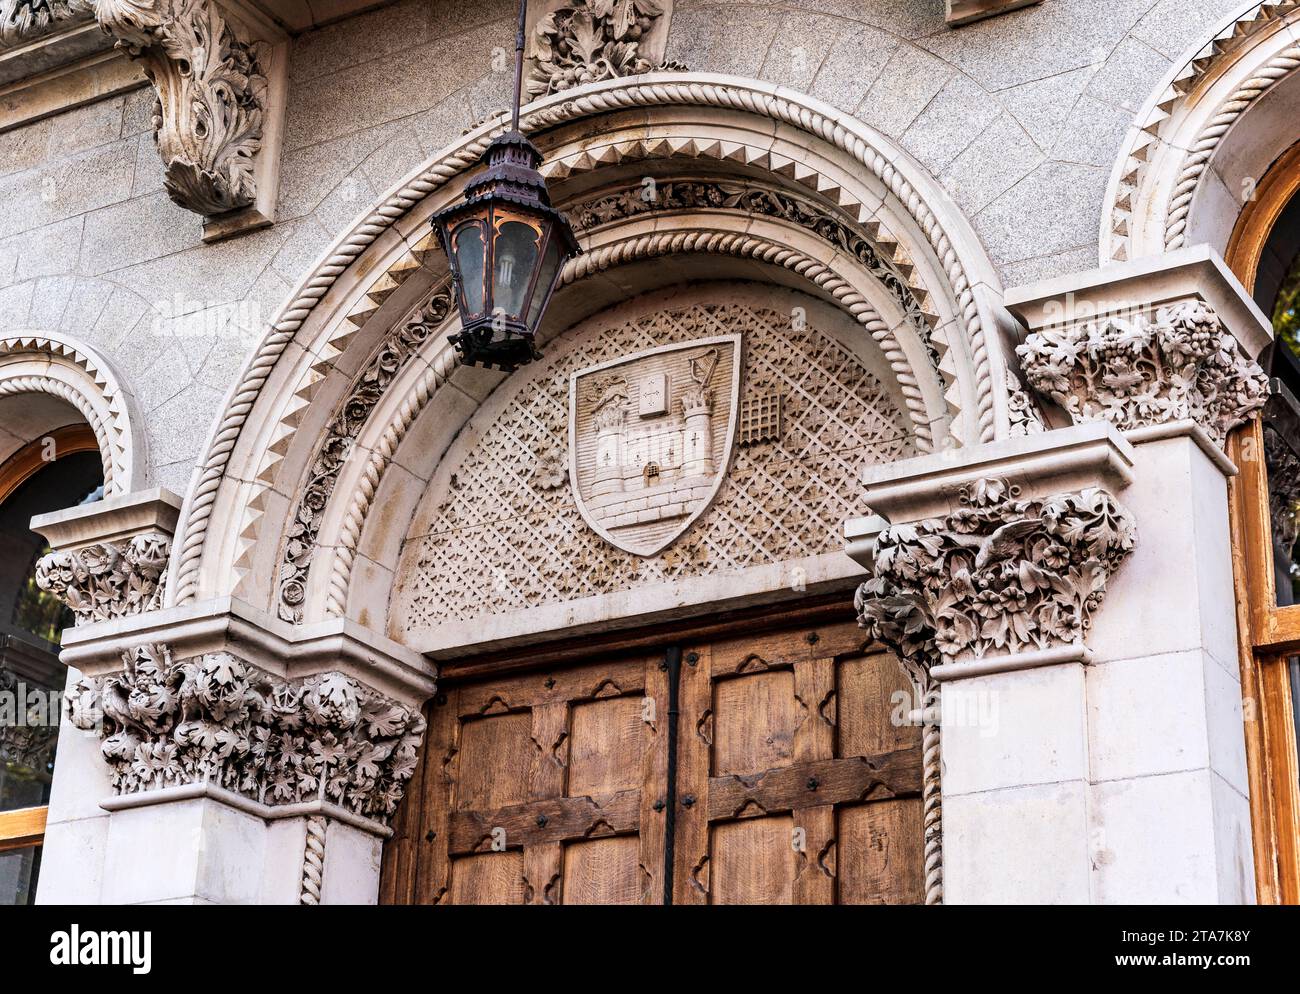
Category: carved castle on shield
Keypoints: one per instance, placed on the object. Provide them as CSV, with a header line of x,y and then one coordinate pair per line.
x,y
650,437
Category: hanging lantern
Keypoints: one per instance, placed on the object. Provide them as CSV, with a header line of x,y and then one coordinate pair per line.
x,y
506,246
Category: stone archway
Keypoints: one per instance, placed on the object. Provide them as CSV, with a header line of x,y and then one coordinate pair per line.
x,y
76,381
809,198
1206,136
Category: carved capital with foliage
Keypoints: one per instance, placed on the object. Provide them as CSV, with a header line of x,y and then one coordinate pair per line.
x,y
108,579
1001,574
217,719
1179,364
212,96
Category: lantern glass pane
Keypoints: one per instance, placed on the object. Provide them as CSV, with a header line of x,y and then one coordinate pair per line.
x,y
515,257
470,248
550,265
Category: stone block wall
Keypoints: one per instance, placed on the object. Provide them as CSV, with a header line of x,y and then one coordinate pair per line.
x,y
1019,116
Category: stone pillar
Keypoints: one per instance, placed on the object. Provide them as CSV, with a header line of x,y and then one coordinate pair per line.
x,y
987,569
1082,629
111,561
1163,350
211,753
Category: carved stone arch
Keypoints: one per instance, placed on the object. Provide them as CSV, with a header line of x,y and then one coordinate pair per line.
x,y
78,382
243,519
1206,135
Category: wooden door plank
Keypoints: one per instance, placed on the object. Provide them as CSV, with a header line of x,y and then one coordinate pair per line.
x,y
814,855
550,735
829,781
488,878
543,873
604,871
753,862
880,861
874,698
432,866
654,782
814,693
694,744
531,690
553,820
605,750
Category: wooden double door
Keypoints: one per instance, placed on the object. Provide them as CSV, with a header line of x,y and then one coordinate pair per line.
x,y
746,769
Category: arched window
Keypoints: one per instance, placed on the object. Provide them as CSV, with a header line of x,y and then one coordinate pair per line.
x,y
1265,253
58,470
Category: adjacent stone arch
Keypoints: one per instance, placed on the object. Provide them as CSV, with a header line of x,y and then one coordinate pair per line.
x,y
80,382
1206,136
786,190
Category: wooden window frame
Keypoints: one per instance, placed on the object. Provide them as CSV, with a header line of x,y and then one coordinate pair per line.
x,y
23,827
1267,633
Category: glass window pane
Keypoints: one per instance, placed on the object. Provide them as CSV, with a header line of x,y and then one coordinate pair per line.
x,y
31,624
549,265
515,257
470,248
18,872
1283,465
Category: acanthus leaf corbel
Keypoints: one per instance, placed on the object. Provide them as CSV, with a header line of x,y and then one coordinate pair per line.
x,y
218,70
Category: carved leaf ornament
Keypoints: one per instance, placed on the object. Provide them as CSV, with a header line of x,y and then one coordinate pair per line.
x,y
1137,371
211,96
999,575
215,719
590,40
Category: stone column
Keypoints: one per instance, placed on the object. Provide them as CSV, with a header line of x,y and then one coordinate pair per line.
x,y
111,561
1164,351
214,754
1070,594
987,568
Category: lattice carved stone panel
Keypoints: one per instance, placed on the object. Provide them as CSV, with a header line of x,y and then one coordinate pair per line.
x,y
507,534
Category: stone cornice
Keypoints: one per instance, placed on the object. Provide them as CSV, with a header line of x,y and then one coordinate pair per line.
x,y
281,649
1197,273
1073,458
110,520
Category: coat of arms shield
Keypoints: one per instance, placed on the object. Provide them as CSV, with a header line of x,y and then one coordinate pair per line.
x,y
650,438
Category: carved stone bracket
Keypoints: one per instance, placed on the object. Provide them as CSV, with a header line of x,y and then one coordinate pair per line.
x,y
219,73
1001,574
1179,363
218,720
